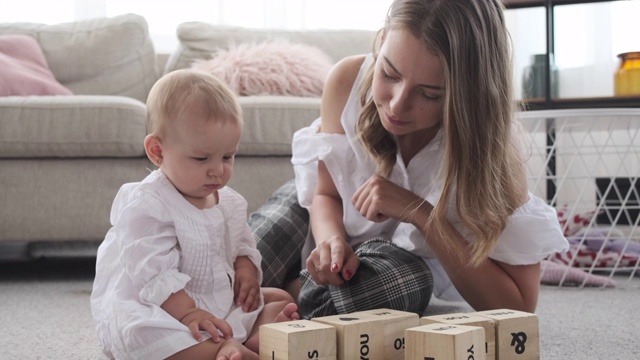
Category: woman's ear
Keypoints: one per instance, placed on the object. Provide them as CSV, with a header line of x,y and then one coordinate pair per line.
x,y
153,148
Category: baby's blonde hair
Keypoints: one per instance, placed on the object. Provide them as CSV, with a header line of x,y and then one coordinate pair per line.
x,y
180,91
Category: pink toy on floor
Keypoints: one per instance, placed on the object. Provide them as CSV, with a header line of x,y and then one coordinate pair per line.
x,y
600,239
559,274
594,248
574,224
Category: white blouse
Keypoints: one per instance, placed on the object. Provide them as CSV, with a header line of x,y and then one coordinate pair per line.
x,y
532,233
159,244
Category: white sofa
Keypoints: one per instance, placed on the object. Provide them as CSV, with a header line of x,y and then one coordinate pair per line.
x,y
63,158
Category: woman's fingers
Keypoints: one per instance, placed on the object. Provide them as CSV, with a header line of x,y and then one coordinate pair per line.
x,y
350,266
326,261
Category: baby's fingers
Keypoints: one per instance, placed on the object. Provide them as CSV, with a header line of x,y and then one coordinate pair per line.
x,y
241,294
208,326
251,302
223,327
195,330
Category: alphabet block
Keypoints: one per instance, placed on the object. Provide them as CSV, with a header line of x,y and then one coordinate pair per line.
x,y
359,337
489,326
517,335
296,340
394,323
439,341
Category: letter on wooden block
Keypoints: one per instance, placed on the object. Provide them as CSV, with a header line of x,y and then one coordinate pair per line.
x,y
517,334
439,341
359,337
470,319
297,340
394,323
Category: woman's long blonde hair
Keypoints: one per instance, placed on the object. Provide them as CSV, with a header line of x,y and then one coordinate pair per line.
x,y
482,166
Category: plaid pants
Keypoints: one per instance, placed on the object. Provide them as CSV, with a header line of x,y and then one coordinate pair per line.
x,y
388,277
280,227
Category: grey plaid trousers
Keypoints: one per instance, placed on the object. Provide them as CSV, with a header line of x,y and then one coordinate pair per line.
x,y
388,276
280,227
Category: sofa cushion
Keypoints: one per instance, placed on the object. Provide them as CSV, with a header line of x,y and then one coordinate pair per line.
x,y
80,126
273,67
270,121
269,126
101,56
198,40
24,69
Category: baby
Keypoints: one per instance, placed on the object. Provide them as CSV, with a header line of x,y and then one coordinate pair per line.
x,y
178,274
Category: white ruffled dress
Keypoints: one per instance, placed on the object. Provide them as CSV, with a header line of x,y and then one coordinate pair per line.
x,y
159,244
532,233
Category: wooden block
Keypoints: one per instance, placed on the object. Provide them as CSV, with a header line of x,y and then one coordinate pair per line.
x,y
517,335
439,341
394,323
489,326
296,340
359,337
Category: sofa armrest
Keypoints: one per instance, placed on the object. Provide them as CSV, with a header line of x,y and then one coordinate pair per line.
x,y
71,126
99,56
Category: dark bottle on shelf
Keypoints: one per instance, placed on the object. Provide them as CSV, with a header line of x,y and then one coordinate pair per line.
x,y
533,78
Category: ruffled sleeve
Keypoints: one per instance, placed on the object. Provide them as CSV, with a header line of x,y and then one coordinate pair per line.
x,y
310,145
240,237
245,249
148,246
532,233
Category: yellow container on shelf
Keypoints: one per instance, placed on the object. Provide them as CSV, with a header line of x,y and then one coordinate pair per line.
x,y
627,78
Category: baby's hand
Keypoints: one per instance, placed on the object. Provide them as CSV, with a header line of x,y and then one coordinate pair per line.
x,y
199,319
247,292
246,287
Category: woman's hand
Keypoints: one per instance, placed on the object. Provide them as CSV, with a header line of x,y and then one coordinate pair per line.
x,y
378,199
332,262
198,319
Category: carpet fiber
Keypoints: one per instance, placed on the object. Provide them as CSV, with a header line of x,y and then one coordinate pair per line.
x,y
46,315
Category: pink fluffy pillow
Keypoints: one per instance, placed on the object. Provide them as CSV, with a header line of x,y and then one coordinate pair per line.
x,y
24,70
276,67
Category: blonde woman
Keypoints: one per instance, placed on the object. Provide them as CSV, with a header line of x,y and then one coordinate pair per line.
x,y
413,175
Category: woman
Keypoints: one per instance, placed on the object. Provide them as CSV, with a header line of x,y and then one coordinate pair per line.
x,y
413,175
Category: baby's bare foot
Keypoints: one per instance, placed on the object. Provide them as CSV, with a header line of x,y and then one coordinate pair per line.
x,y
290,312
233,350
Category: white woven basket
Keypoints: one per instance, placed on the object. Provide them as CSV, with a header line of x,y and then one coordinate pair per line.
x,y
586,164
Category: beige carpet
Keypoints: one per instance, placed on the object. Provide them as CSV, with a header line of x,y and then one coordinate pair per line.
x,y
45,315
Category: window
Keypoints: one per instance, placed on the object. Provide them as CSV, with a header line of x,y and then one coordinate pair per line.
x,y
588,36
164,16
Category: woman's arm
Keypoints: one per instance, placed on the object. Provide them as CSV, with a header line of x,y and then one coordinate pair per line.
x,y
492,284
332,255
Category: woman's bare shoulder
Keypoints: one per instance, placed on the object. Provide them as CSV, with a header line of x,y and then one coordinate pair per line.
x,y
344,72
336,91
